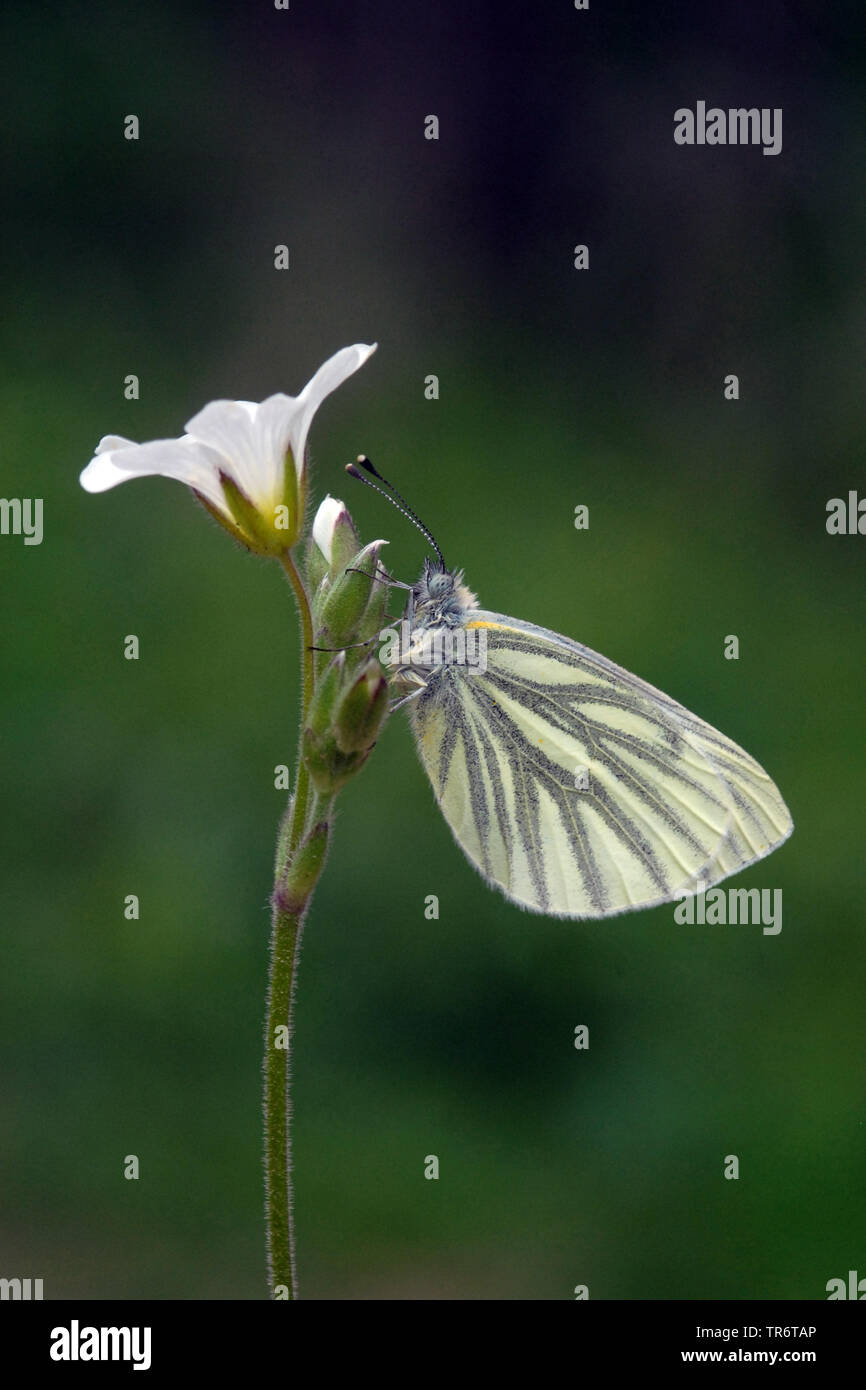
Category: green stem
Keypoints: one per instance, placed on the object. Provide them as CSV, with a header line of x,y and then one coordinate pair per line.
x,y
295,826
286,928
285,943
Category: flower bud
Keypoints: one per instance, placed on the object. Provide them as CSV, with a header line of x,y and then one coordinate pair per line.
x,y
335,536
362,710
328,765
300,878
327,697
374,614
343,605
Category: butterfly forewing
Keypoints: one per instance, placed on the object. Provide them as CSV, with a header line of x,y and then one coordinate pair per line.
x,y
577,788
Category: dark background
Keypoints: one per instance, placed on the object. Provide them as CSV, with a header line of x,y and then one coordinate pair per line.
x,y
558,387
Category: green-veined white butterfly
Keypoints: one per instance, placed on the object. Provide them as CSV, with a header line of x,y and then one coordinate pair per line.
x,y
573,786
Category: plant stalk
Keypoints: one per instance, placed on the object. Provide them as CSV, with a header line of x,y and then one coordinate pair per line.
x,y
288,908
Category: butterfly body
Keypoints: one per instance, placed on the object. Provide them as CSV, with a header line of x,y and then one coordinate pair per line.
x,y
574,787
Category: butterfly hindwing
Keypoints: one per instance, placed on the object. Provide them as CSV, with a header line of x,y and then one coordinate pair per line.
x,y
580,790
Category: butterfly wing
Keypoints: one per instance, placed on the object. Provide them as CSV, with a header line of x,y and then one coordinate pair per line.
x,y
580,790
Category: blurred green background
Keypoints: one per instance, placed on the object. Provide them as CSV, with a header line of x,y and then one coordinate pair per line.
x,y
557,387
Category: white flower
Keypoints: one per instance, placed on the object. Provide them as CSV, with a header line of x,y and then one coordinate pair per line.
x,y
246,461
329,515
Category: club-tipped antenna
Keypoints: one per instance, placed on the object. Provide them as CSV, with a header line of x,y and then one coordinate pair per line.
x,y
396,501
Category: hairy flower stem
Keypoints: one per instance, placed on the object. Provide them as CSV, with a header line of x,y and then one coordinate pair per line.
x,y
292,830
285,942
295,878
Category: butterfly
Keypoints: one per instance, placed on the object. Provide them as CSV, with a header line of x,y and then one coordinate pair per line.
x,y
575,788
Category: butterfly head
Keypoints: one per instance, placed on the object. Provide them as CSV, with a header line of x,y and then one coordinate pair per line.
x,y
440,598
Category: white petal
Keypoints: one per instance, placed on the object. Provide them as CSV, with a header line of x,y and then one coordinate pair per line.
x,y
109,442
101,474
323,526
185,460
329,376
273,429
228,427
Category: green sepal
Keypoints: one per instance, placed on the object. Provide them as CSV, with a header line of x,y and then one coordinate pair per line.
x,y
294,493
316,565
219,515
258,533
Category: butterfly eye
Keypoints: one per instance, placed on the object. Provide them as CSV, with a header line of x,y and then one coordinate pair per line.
x,y
440,584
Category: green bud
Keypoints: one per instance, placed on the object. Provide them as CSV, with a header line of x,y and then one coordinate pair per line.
x,y
345,544
361,710
328,765
317,565
344,604
333,541
325,700
302,874
374,614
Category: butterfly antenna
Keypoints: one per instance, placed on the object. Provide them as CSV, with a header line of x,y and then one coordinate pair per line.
x,y
396,500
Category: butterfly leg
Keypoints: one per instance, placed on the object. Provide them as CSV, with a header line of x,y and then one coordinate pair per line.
x,y
380,575
348,646
408,676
